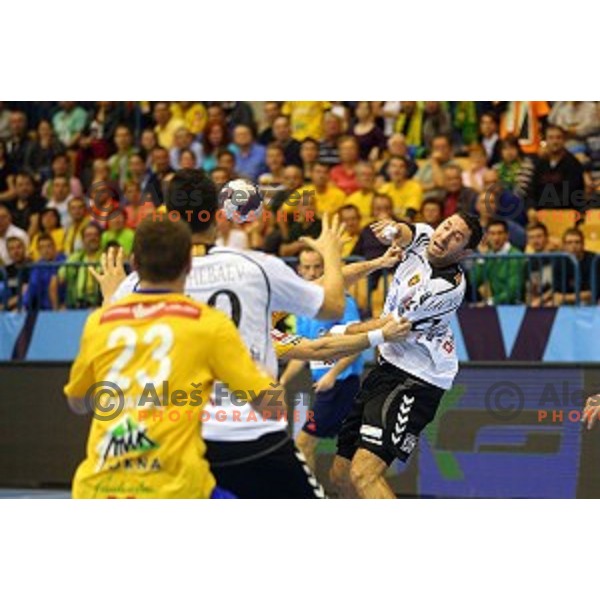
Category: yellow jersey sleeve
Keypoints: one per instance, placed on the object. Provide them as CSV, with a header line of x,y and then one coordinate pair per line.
x,y
230,360
82,377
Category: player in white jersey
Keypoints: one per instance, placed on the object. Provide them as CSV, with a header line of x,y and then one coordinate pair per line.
x,y
254,457
400,396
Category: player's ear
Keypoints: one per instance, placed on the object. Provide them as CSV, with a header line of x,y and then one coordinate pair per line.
x,y
134,263
188,266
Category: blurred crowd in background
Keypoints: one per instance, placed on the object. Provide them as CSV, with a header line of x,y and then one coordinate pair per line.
x,y
529,169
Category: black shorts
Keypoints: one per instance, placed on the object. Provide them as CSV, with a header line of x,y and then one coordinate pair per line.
x,y
269,467
389,413
332,407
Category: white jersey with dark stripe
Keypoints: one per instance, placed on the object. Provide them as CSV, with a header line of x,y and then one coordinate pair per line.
x,y
248,286
428,297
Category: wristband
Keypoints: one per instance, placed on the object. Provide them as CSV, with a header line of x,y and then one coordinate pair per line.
x,y
338,329
376,337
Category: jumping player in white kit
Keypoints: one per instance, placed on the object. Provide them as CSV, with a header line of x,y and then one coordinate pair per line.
x,y
400,396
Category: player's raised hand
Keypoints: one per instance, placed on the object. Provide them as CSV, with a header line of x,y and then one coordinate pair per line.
x,y
591,412
385,230
332,236
111,274
395,330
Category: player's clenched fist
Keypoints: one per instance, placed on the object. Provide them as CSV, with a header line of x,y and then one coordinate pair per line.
x,y
396,330
591,412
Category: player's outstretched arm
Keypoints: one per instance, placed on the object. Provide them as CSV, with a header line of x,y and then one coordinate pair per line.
x,y
329,245
591,412
334,347
111,274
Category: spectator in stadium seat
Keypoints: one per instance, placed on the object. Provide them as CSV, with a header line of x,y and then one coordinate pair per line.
x,y
304,224
7,175
290,196
193,115
136,208
396,148
148,141
17,144
61,168
138,171
578,120
8,230
249,156
306,118
187,159
539,284
524,120
431,173
118,232
78,287
363,197
333,128
219,176
328,198
61,194
41,152
282,134
239,113
436,122
97,137
161,170
351,217
486,207
17,274
406,193
214,139
371,141
27,205
118,163
69,123
489,138
184,140
498,280
79,218
410,124
558,177
432,213
272,110
458,197
473,176
4,122
309,154
165,124
344,174
41,294
275,163
226,160
50,224
564,272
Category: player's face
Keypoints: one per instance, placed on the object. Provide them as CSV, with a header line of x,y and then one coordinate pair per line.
x,y
310,266
447,244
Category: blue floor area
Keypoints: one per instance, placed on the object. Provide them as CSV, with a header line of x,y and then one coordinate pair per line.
x,y
24,494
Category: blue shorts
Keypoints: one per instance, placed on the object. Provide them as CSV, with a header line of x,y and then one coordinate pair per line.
x,y
332,407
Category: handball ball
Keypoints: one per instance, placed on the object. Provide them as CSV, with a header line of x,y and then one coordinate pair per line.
x,y
241,200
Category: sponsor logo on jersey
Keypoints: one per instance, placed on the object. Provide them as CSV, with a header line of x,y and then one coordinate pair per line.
x,y
414,280
149,310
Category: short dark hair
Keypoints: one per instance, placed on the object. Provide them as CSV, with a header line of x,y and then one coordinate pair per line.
x,y
162,249
193,195
555,127
489,115
501,222
349,207
539,225
45,237
472,222
573,231
224,152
